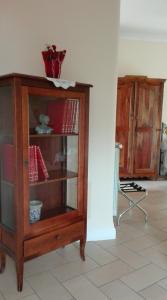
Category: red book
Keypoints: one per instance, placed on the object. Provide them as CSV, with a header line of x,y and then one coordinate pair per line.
x,y
57,115
64,115
8,162
33,165
75,127
67,122
71,115
37,167
42,170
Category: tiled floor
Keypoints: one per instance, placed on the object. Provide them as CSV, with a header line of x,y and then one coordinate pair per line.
x,y
132,267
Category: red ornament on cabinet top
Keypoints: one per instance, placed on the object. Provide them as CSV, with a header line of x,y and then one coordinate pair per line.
x,y
53,61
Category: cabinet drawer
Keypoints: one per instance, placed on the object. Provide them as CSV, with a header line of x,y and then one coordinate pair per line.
x,y
53,240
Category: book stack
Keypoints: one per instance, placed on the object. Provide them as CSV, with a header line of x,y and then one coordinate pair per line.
x,y
37,167
33,165
64,116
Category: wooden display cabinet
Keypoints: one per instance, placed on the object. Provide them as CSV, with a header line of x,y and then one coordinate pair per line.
x,y
64,151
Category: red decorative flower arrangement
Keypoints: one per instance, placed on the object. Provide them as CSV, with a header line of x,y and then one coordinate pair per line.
x,y
53,61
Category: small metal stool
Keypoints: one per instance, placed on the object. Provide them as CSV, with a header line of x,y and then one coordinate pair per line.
x,y
124,190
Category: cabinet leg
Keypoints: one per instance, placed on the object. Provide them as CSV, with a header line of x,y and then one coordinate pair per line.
x,y
19,271
82,249
2,261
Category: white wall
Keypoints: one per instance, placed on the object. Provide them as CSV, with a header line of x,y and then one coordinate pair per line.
x,y
144,58
89,31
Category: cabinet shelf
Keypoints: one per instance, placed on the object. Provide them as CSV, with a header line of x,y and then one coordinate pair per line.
x,y
57,175
52,135
55,212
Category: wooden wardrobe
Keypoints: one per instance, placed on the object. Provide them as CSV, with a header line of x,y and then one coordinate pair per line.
x,y
138,125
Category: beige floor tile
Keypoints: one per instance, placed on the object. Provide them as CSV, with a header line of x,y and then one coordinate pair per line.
x,y
43,263
8,285
108,243
154,216
155,257
9,290
125,235
10,269
164,229
107,273
140,243
98,254
122,237
32,297
70,253
83,289
162,247
144,277
163,283
160,223
160,235
154,292
1,297
136,223
131,258
73,269
164,211
117,290
47,287
131,230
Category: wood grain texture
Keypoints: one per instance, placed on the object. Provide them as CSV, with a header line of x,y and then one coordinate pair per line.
x,y
138,124
53,240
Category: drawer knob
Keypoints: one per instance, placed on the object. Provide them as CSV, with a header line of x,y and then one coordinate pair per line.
x,y
57,237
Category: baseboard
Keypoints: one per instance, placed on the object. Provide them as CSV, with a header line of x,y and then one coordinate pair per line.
x,y
101,234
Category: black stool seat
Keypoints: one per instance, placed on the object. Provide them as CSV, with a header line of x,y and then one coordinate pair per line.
x,y
131,187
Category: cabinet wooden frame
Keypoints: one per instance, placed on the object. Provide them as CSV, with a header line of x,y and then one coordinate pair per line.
x,y
17,242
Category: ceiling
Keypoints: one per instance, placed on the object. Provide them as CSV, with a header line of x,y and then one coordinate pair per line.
x,y
144,19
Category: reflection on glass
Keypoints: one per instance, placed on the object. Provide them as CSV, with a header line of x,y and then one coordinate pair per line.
x,y
72,193
53,153
6,158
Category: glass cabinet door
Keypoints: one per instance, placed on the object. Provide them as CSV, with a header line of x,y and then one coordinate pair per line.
x,y
7,166
53,156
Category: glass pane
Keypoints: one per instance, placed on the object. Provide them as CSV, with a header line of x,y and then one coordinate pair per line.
x,y
56,198
6,158
53,156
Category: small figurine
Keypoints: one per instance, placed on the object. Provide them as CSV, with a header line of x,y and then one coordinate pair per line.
x,y
43,128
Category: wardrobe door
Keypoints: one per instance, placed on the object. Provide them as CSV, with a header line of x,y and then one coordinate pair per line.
x,y
148,109
124,125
